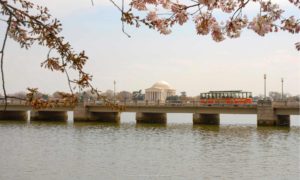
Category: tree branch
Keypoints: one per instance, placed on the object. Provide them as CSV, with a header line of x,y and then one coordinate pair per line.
x,y
2,59
240,8
123,26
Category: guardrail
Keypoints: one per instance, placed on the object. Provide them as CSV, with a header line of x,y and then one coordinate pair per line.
x,y
25,103
170,104
286,104
13,102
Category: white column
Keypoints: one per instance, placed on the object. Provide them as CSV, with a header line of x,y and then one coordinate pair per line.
x,y
151,95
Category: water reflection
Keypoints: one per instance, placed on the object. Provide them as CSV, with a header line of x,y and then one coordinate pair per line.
x,y
12,123
49,123
268,133
213,128
79,125
273,128
93,150
146,126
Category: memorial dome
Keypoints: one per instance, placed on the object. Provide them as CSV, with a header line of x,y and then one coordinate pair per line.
x,y
161,85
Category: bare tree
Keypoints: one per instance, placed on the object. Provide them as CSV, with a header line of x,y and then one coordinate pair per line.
x,y
124,96
109,94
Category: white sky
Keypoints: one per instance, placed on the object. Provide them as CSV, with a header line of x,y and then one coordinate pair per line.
x,y
187,61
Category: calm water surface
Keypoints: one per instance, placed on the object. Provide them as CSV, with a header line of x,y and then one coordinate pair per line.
x,y
178,150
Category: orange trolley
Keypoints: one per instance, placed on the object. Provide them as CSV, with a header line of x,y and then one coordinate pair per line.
x,y
226,97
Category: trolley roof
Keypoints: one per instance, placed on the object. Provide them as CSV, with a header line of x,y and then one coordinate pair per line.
x,y
229,91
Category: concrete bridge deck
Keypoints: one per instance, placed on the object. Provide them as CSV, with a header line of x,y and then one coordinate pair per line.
x,y
280,108
216,109
268,113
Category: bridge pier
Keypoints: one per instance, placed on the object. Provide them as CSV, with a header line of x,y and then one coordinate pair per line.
x,y
13,115
273,120
48,116
266,115
157,118
113,117
206,119
81,114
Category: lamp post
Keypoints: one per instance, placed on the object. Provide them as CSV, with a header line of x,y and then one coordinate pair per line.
x,y
265,86
282,88
114,91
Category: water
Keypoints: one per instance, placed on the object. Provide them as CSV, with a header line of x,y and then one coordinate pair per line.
x,y
178,150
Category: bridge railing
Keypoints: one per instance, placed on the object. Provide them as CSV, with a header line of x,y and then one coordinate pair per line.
x,y
283,103
56,104
13,102
171,104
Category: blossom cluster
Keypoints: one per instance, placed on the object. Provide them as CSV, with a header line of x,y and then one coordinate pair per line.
x,y
162,15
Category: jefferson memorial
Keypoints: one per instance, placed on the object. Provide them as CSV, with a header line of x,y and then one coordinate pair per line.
x,y
159,92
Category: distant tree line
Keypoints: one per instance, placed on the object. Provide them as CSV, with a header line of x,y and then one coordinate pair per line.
x,y
126,96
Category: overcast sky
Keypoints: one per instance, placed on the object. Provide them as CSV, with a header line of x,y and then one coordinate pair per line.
x,y
187,61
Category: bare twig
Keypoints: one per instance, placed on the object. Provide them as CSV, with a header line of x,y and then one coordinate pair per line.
x,y
67,74
64,68
121,9
116,5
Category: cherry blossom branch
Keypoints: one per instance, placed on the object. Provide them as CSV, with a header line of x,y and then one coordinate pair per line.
x,y
206,22
27,28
